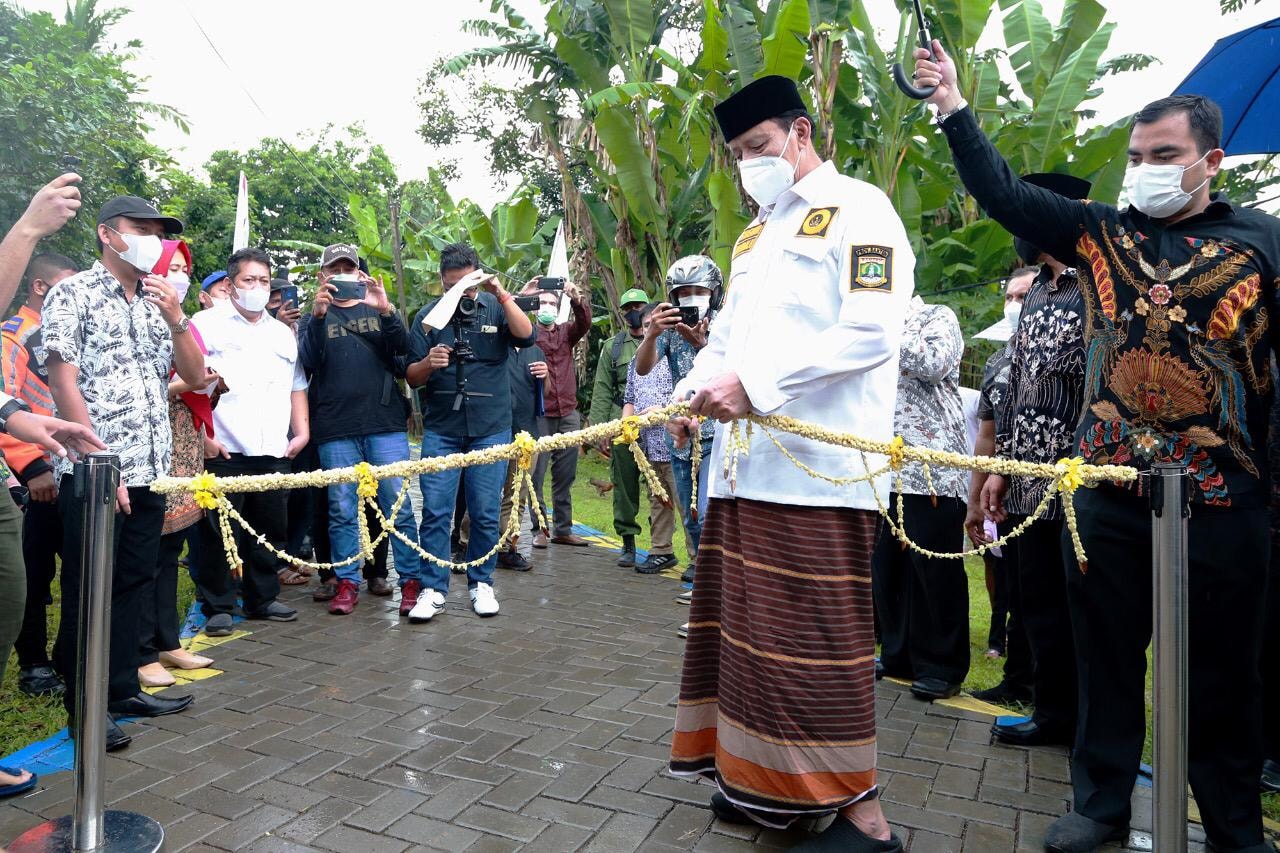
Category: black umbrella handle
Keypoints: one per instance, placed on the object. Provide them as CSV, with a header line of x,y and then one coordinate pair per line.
x,y
900,77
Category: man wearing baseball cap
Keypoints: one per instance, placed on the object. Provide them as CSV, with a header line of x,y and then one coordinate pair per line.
x,y
215,291
616,355
113,333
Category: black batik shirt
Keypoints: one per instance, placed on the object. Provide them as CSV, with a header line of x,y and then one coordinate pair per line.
x,y
1177,323
1045,395
995,384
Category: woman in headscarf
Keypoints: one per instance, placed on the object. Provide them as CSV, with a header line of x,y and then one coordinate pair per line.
x,y
191,418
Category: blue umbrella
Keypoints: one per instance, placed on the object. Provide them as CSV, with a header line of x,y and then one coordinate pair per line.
x,y
1242,74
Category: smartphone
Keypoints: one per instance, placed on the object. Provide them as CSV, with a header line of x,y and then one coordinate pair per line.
x,y
527,303
548,282
289,294
347,288
69,163
689,315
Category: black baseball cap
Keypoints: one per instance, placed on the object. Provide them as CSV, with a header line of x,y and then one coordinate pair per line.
x,y
339,251
279,284
132,207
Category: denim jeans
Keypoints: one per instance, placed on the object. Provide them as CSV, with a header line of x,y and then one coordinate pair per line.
x,y
483,485
344,534
682,469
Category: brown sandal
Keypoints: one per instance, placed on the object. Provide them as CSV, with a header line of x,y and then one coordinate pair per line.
x,y
289,577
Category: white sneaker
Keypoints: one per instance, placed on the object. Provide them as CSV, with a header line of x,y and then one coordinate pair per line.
x,y
430,602
483,601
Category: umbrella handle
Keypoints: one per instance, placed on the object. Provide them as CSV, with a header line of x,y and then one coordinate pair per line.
x,y
900,77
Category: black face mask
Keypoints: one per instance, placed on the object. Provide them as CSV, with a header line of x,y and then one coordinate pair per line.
x,y
1026,250
633,319
274,311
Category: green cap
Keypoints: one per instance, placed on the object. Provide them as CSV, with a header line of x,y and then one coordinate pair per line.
x,y
635,294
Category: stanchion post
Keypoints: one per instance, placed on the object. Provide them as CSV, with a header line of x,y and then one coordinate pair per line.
x,y
89,827
1169,601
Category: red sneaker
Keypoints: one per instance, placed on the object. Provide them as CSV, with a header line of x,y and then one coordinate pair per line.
x,y
345,601
409,596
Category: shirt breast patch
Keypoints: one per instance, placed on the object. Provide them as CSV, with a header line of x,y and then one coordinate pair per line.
x,y
871,268
817,222
747,240
13,324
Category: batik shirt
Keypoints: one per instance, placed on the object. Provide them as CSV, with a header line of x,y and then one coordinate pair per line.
x,y
123,351
929,412
1037,422
679,355
643,392
1177,323
995,385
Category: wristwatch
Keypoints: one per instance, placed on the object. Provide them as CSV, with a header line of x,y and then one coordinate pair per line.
x,y
181,326
949,113
11,407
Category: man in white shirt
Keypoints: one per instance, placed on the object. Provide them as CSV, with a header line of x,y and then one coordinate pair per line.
x,y
777,702
261,422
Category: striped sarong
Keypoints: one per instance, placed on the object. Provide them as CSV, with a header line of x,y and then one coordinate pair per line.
x,y
777,698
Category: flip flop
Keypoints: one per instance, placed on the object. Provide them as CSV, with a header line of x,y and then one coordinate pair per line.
x,y
20,787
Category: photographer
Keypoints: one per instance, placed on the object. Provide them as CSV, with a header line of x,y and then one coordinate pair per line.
x,y
465,391
353,344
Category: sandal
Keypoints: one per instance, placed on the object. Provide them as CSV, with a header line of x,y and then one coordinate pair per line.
x,y
288,577
19,787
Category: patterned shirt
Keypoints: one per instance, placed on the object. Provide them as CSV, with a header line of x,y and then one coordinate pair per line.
x,y
678,354
652,389
929,412
1177,323
1046,384
123,351
995,384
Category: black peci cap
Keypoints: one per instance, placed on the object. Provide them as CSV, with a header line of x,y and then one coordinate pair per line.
x,y
759,100
132,207
1067,186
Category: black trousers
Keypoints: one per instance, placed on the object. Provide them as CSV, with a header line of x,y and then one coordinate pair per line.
x,y
158,622
922,603
137,541
302,503
1050,665
1270,657
997,633
41,543
1111,617
265,512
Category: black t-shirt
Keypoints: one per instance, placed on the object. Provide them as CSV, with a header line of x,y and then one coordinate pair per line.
x,y
485,408
350,353
526,392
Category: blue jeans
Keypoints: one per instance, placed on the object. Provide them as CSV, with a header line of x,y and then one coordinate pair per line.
x,y
344,534
682,470
483,485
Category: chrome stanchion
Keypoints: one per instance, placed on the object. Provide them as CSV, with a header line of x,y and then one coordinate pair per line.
x,y
1169,711
89,827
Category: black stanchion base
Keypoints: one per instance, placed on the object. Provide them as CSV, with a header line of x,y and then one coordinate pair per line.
x,y
122,832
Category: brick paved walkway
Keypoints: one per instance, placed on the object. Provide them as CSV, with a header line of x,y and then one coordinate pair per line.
x,y
545,728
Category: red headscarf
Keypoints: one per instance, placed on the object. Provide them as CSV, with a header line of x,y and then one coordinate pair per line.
x,y
200,406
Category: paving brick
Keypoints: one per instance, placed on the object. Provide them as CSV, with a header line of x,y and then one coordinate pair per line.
x,y
386,810
452,800
317,820
431,833
682,826
558,839
516,791
345,839
496,822
245,830
196,828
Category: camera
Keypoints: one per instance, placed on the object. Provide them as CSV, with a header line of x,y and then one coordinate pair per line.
x,y
463,316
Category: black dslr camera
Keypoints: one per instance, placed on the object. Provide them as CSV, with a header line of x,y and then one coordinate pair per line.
x,y
464,317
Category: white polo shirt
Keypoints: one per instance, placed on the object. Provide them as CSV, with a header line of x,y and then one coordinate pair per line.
x,y
817,294
259,362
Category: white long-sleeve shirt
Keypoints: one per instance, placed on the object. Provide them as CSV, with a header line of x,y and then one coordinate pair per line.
x,y
817,294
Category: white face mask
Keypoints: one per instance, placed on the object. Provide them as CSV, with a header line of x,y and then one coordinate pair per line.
x,y
1012,311
253,301
702,302
142,250
180,282
766,178
1157,190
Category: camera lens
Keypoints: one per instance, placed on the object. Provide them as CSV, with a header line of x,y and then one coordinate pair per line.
x,y
466,306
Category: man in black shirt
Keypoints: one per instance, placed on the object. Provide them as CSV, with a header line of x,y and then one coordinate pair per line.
x,y
1178,291
351,347
528,371
460,370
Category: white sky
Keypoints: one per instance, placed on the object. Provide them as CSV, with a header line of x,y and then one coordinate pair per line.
x,y
313,63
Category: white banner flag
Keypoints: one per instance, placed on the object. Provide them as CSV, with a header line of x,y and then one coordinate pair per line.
x,y
558,267
241,238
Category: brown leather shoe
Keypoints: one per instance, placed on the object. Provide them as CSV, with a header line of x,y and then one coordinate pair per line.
x,y
540,539
380,586
325,591
571,539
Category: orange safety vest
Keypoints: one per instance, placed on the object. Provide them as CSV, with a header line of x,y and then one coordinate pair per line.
x,y
23,371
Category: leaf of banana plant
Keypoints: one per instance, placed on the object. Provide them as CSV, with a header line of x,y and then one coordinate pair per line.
x,y
1054,115
1080,22
729,219
617,131
715,40
1029,35
631,26
786,43
745,52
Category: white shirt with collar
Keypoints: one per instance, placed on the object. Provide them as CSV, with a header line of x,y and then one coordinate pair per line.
x,y
259,361
817,294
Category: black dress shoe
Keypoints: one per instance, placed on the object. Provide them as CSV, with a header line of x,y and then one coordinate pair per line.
x,y
380,586
1031,733
40,681
1004,692
116,738
727,811
879,670
274,612
1075,833
843,837
146,705
514,561
930,689
1271,776
687,577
